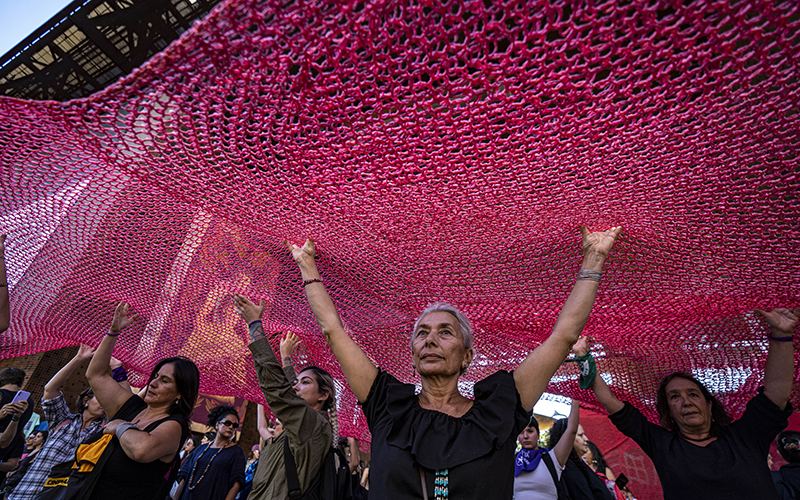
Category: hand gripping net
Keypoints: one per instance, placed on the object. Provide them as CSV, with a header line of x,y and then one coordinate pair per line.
x,y
435,151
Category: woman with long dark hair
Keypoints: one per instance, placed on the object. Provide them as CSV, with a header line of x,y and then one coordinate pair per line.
x,y
305,405
596,461
698,451
216,470
580,480
147,432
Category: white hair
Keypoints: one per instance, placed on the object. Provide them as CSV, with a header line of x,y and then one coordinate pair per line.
x,y
466,327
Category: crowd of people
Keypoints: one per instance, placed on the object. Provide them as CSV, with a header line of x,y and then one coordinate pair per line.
x,y
428,443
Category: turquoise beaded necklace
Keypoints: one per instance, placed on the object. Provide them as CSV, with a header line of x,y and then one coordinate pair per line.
x,y
440,484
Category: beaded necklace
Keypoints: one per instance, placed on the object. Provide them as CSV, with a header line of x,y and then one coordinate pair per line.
x,y
191,476
440,484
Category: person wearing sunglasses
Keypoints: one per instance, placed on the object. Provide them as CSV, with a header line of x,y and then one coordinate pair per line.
x,y
214,470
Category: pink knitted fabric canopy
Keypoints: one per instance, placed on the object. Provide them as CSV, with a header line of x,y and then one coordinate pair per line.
x,y
442,150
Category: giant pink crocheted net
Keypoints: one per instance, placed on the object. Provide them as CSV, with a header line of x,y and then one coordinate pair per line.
x,y
439,152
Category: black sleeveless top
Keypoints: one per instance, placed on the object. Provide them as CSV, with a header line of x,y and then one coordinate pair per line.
x,y
123,478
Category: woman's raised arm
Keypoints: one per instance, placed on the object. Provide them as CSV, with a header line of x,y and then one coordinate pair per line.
x,y
565,443
601,390
110,394
5,307
357,367
779,369
535,372
53,388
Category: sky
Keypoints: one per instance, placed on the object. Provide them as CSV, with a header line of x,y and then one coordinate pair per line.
x,y
19,19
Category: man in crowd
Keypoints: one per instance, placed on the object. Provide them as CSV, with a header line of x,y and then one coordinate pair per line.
x,y
15,415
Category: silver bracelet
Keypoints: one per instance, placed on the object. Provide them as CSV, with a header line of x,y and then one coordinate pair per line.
x,y
585,274
124,427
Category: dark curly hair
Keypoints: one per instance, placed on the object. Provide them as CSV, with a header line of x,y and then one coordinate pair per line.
x,y
12,376
719,415
219,412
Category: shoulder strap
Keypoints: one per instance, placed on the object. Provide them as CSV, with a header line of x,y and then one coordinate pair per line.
x,y
422,480
548,461
291,471
152,425
62,424
560,488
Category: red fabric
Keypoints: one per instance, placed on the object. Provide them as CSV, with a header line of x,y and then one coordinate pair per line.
x,y
436,151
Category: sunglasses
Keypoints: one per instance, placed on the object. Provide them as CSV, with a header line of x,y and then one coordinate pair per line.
x,y
228,423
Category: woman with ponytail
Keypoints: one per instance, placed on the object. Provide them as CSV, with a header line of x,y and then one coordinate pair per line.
x,y
305,405
580,480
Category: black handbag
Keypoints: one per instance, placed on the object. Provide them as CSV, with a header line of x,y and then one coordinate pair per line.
x,y
76,479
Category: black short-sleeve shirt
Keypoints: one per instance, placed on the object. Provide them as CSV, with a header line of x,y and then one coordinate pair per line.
x,y
477,449
17,444
732,467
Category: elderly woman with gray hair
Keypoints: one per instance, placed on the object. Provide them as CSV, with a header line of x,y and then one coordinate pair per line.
x,y
438,443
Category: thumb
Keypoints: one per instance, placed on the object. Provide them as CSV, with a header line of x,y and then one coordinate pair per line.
x,y
261,303
584,231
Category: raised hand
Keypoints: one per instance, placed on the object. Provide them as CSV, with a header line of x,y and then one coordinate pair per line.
x,y
302,254
85,352
247,309
123,318
581,347
289,342
599,242
782,319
